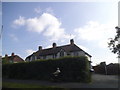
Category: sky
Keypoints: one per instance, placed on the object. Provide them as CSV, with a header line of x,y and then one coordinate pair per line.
x,y
28,25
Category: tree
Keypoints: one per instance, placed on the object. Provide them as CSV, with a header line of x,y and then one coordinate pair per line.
x,y
114,43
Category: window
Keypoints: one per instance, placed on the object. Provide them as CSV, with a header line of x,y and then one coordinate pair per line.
x,y
31,58
61,53
68,54
75,53
44,57
54,55
11,61
35,57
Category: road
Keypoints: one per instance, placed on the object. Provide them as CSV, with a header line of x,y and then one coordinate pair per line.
x,y
98,81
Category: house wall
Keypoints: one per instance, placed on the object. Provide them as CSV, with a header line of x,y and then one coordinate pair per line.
x,y
80,53
77,53
58,54
27,59
89,58
32,58
49,56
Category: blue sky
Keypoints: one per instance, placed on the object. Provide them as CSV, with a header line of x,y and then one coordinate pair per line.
x,y
29,25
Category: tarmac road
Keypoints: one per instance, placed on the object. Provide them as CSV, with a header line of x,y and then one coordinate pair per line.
x,y
98,81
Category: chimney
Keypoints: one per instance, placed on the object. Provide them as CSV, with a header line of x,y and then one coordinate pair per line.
x,y
40,48
54,45
71,41
12,54
6,55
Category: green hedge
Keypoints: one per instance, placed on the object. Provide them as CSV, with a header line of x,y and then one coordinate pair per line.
x,y
72,69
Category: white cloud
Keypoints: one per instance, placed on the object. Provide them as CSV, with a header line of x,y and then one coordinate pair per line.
x,y
103,43
49,10
108,57
38,10
95,31
47,24
20,21
29,51
13,37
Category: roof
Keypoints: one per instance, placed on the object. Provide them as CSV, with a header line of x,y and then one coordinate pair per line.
x,y
50,51
15,58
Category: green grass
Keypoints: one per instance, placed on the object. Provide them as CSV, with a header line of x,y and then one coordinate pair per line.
x,y
20,85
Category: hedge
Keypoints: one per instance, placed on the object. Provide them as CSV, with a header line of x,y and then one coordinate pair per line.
x,y
72,69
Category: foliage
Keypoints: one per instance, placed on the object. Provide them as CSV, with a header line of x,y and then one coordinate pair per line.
x,y
114,45
5,61
72,69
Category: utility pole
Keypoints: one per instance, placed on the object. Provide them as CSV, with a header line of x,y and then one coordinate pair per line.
x,y
105,68
1,32
1,44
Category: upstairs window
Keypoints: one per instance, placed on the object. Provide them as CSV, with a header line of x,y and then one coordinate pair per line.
x,y
61,53
44,57
75,53
54,55
68,54
11,61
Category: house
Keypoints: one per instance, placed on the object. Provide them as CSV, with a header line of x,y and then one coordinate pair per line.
x,y
58,51
110,69
12,59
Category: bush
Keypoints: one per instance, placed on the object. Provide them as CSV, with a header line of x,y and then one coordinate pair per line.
x,y
72,69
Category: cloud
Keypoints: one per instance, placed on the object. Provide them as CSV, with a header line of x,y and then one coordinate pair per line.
x,y
20,21
13,37
47,24
49,10
96,32
38,10
107,56
29,51
103,43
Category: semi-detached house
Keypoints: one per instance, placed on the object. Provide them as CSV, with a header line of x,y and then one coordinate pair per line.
x,y
58,51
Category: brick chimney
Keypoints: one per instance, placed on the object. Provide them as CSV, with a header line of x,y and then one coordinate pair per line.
x,y
71,41
12,54
6,55
54,45
40,48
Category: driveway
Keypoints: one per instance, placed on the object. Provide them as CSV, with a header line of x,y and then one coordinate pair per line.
x,y
98,81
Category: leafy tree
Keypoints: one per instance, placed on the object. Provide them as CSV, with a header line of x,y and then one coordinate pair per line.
x,y
5,60
114,43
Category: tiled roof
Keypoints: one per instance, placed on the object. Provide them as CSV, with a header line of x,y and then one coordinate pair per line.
x,y
15,58
50,51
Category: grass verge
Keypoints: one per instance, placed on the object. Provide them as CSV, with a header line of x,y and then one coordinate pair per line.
x,y
20,85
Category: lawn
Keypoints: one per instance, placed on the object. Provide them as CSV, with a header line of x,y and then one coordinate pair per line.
x,y
20,85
